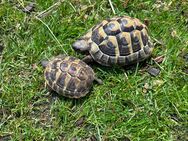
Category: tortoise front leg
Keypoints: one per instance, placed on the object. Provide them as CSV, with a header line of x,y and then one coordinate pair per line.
x,y
98,80
88,59
48,87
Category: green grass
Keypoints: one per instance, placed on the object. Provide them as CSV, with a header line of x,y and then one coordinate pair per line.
x,y
116,110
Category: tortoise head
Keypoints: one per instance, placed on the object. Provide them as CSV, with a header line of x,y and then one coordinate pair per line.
x,y
44,63
81,45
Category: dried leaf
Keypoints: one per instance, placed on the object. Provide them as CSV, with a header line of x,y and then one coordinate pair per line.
x,y
186,43
86,8
92,138
159,59
49,9
80,121
74,139
175,117
5,137
124,139
146,88
125,3
174,33
159,4
85,16
185,13
29,8
184,54
1,47
153,71
186,71
158,82
186,57
146,22
158,42
34,66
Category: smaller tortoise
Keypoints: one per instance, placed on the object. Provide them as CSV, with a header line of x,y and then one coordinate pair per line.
x,y
117,41
68,76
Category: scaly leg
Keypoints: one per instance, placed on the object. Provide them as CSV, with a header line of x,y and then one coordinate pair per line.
x,y
88,59
98,80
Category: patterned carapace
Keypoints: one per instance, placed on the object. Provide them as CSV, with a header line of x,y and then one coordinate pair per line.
x,y
118,41
69,76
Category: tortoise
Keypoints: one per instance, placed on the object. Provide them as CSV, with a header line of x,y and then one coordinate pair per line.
x,y
117,41
68,76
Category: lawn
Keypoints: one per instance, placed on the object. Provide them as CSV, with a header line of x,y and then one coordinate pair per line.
x,y
130,105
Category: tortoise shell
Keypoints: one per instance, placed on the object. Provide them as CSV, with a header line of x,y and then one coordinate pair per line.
x,y
119,41
69,76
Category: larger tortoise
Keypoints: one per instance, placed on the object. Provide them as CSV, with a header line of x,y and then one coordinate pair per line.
x,y
68,76
116,41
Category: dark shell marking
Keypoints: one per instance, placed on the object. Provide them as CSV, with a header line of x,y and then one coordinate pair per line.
x,y
112,28
121,40
71,77
105,48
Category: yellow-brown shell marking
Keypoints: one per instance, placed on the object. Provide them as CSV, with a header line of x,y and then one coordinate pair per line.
x,y
69,77
120,40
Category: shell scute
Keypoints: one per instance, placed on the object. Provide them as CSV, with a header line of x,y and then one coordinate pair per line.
x,y
52,75
112,28
71,85
135,40
64,66
126,25
112,60
107,50
81,89
73,69
144,37
61,81
96,37
82,75
71,59
124,42
100,25
55,64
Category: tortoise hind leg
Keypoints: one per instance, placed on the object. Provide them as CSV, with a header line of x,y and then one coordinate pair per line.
x,y
88,59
